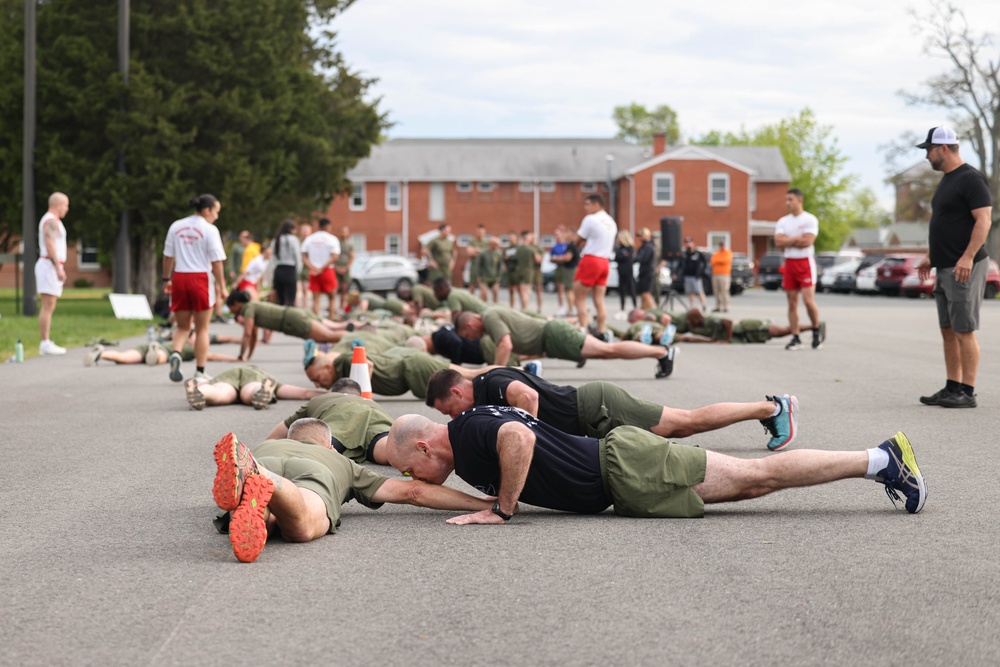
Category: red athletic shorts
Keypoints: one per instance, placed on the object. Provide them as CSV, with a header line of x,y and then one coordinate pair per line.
x,y
592,270
800,272
323,282
191,291
245,285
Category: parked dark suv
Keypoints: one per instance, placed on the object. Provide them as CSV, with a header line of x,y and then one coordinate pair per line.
x,y
742,273
769,270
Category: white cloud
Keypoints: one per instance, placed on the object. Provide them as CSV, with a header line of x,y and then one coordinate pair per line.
x,y
451,68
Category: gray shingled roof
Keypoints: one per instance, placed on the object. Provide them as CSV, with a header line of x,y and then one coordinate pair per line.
x,y
515,160
509,160
911,233
765,161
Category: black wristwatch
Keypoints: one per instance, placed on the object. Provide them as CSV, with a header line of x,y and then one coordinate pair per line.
x,y
500,513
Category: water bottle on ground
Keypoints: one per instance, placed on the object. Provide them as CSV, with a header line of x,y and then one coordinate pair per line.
x,y
646,334
19,351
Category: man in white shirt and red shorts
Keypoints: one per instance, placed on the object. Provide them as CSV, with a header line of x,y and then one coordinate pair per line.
x,y
598,231
796,234
320,251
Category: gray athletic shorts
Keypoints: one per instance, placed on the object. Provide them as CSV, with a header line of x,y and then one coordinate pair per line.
x,y
958,303
693,285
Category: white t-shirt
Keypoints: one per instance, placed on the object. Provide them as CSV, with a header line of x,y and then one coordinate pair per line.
x,y
599,229
194,244
255,269
320,246
797,225
43,252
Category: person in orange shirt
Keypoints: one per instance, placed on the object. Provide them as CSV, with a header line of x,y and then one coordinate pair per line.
x,y
722,268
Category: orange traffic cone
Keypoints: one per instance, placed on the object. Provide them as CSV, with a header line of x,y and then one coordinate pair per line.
x,y
359,371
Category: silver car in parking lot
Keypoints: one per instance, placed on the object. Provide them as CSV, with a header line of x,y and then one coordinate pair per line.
x,y
376,272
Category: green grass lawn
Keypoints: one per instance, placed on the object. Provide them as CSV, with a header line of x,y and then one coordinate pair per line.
x,y
81,315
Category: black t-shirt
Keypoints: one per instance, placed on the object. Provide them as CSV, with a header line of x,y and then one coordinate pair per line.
x,y
960,192
456,349
557,404
565,471
694,263
574,258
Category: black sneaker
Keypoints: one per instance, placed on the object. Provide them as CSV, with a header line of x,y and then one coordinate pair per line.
x,y
902,474
935,398
794,344
666,363
819,335
958,399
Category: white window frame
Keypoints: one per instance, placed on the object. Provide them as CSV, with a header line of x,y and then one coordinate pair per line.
x,y
394,244
712,176
588,187
669,176
359,197
463,186
547,186
393,196
436,200
713,240
525,186
360,243
486,186
462,241
82,265
547,241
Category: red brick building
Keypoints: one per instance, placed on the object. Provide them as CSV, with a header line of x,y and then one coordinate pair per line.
x,y
81,265
407,187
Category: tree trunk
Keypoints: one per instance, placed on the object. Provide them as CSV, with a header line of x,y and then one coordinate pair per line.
x,y
146,277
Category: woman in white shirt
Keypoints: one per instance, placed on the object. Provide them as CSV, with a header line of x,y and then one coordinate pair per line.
x,y
192,251
286,258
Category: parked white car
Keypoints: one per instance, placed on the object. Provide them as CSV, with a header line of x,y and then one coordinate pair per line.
x,y
866,279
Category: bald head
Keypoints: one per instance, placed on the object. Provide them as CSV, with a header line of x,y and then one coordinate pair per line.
x,y
58,204
407,446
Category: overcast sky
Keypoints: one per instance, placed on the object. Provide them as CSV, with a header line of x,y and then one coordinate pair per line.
x,y
557,68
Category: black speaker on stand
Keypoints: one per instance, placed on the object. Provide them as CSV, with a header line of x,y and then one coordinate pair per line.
x,y
672,251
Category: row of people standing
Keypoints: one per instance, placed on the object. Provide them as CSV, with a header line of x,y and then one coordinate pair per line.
x,y
640,252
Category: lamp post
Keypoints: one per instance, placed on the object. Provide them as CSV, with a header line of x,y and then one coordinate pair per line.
x,y
608,159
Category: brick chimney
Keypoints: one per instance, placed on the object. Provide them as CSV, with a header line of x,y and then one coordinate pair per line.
x,y
659,144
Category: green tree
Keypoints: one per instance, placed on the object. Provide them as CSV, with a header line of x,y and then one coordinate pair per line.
x,y
249,101
637,124
969,90
817,168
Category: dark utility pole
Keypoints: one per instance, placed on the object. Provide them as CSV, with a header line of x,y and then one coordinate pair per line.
x,y
123,243
29,230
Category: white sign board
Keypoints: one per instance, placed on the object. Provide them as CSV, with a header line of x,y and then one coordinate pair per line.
x,y
130,307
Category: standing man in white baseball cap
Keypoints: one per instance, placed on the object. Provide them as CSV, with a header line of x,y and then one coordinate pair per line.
x,y
960,222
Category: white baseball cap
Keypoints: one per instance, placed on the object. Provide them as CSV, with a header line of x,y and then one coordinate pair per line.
x,y
941,135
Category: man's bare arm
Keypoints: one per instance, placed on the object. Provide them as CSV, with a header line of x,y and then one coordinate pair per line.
x,y
983,218
522,396
515,449
428,495
504,349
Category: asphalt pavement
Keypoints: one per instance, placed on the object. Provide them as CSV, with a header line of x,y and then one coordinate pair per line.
x,y
108,555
